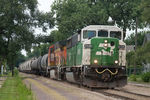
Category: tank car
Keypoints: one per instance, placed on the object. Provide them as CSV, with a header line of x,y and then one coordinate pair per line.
x,y
26,66
44,65
36,65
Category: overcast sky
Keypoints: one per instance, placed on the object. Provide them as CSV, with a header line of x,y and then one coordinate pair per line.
x,y
44,6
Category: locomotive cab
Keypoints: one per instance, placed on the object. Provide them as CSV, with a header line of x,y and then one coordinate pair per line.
x,y
104,43
104,54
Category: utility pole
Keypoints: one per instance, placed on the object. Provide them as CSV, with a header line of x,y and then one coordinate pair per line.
x,y
135,45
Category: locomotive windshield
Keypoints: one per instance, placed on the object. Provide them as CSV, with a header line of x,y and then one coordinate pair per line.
x,y
102,33
115,34
88,34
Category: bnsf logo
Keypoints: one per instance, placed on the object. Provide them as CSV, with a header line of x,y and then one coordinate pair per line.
x,y
104,50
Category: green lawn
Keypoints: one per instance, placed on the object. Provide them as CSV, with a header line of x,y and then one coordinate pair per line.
x,y
14,89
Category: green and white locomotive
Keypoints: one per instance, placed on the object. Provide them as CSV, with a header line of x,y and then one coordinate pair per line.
x,y
96,57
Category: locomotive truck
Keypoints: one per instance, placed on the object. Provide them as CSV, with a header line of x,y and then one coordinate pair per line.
x,y
95,57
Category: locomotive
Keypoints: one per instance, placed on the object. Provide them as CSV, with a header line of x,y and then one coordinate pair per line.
x,y
95,57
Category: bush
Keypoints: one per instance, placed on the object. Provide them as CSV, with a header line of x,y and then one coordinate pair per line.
x,y
16,72
146,77
133,77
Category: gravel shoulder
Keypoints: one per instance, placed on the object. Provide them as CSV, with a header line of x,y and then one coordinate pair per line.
x,y
138,88
48,89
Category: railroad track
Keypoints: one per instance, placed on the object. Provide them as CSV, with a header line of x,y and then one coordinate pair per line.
x,y
117,96
123,94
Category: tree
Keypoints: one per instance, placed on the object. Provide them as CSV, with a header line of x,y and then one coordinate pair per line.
x,y
17,19
145,6
20,58
72,15
35,53
57,36
39,50
140,38
143,56
125,12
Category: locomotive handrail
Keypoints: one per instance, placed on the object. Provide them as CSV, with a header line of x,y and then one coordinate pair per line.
x,y
107,70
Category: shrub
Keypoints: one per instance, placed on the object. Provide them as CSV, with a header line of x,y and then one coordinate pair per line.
x,y
16,72
133,77
146,77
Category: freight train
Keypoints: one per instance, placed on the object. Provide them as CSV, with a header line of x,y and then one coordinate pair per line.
x,y
95,57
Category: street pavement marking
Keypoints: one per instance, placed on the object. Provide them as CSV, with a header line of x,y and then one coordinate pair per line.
x,y
47,90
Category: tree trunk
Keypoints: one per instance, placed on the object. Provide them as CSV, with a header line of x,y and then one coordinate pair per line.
x,y
12,70
135,45
124,33
0,66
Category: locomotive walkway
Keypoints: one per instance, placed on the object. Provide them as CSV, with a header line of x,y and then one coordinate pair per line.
x,y
47,89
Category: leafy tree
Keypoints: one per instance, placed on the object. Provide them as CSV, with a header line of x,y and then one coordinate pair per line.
x,y
130,58
143,56
17,18
72,15
35,53
130,40
57,36
145,5
20,58
44,49
125,12
39,50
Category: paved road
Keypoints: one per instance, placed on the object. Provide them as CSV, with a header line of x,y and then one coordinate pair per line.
x,y
47,89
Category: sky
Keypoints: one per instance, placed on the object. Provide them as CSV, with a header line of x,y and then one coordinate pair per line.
x,y
44,5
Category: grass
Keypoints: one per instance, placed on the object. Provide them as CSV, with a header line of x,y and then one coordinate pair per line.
x,y
14,89
137,78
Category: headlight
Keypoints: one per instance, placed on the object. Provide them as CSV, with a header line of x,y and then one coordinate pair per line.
x,y
116,61
105,41
87,46
105,45
95,61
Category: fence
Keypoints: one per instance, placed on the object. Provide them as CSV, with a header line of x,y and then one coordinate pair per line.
x,y
138,70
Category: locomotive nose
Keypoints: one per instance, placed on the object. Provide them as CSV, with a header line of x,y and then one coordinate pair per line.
x,y
104,51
